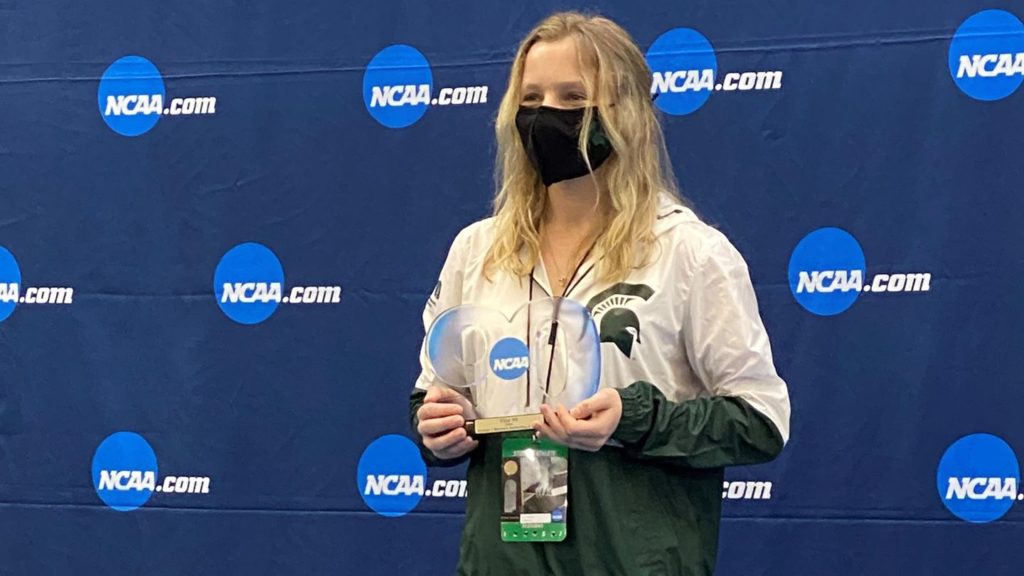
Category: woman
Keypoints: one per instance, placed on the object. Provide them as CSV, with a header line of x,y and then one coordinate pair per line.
x,y
587,209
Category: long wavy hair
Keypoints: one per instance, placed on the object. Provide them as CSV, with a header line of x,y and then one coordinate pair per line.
x,y
630,179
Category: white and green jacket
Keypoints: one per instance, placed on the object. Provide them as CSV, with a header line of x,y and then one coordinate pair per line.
x,y
683,342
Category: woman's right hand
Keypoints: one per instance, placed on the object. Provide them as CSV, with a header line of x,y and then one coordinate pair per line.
x,y
442,418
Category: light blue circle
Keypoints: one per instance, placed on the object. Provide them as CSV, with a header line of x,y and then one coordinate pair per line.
x,y
987,34
391,475
10,276
436,341
509,350
391,76
123,458
125,89
825,252
977,456
251,270
675,56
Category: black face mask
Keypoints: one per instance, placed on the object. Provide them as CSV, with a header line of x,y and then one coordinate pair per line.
x,y
551,138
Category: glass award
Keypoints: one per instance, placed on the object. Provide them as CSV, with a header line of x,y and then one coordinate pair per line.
x,y
548,352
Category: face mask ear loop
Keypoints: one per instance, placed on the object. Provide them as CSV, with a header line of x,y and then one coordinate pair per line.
x,y
585,148
586,158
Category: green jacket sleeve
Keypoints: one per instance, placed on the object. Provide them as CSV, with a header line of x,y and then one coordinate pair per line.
x,y
709,432
415,401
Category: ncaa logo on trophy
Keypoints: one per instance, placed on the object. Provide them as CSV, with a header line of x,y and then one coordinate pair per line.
x,y
510,358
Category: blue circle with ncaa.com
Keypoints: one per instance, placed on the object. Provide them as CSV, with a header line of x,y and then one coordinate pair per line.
x,y
979,478
248,283
509,358
986,55
685,69
398,86
10,283
822,268
391,475
123,471
131,96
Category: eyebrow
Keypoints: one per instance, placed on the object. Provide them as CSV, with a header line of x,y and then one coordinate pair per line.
x,y
563,85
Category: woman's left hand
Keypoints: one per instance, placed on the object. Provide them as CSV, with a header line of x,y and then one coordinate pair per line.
x,y
587,426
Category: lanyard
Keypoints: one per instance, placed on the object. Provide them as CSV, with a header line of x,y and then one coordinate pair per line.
x,y
569,286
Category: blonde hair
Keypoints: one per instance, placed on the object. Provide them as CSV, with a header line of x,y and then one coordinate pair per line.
x,y
632,177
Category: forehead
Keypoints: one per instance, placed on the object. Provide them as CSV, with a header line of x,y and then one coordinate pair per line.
x,y
552,63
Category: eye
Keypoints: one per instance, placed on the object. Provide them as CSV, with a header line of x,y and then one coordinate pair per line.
x,y
531,98
576,99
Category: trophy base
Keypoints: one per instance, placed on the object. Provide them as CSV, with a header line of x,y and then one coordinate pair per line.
x,y
500,424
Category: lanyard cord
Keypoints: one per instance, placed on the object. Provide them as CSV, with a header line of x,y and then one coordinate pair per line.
x,y
569,286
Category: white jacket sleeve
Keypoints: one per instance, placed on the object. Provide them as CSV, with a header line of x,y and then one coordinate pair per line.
x,y
725,338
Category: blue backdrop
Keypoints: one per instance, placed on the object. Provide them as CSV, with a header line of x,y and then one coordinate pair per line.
x,y
220,222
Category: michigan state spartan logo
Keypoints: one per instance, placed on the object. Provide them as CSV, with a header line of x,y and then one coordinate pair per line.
x,y
616,322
